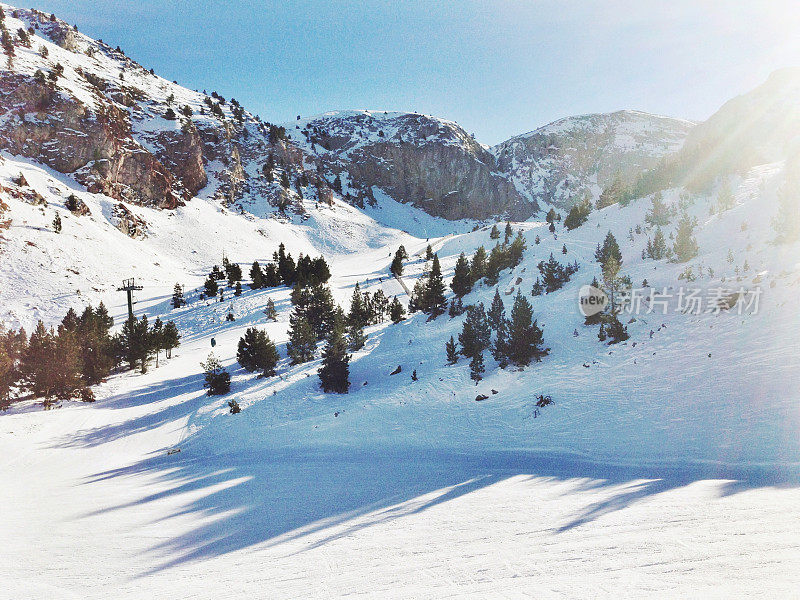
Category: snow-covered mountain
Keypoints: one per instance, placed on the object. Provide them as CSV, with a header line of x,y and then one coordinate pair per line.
x,y
426,161
577,157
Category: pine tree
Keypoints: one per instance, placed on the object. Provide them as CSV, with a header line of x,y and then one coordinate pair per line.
x,y
685,245
396,267
658,215
302,342
270,311
610,248
237,289
462,282
428,253
286,266
171,338
12,349
334,374
497,311
177,296
611,194
476,367
136,343
210,287
494,234
564,249
216,379
516,250
57,223
256,352
477,268
475,333
657,248
37,362
356,338
525,338
451,351
500,348
435,302
578,214
358,316
397,311
507,233
256,276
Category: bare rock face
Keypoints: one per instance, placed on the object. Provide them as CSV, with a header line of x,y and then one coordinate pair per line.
x,y
431,163
127,222
96,146
577,157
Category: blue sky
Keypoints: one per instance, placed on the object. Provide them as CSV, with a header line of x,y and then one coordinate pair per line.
x,y
497,68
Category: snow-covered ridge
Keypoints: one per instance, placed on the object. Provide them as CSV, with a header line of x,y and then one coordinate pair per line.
x,y
576,157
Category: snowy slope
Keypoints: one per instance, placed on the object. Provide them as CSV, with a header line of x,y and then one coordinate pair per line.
x,y
574,157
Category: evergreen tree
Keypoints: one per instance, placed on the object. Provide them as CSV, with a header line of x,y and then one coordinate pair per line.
x,y
497,311
397,263
477,268
286,266
156,337
356,338
316,304
428,253
508,233
210,287
256,276
12,349
516,250
578,214
216,379
57,223
609,248
171,338
270,311
177,296
525,338
462,281
494,234
475,333
476,367
234,273
564,249
37,362
657,247
358,316
658,215
685,245
302,342
551,216
237,289
451,351
612,193
334,374
397,311
435,302
271,276
615,330
256,352
500,348
136,343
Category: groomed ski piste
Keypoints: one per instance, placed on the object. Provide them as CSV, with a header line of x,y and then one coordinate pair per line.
x,y
667,465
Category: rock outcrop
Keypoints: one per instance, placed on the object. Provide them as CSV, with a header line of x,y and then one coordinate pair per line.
x,y
430,163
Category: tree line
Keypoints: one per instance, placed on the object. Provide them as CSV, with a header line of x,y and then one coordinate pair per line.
x,y
63,362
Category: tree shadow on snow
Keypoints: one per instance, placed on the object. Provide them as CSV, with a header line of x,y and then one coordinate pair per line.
x,y
278,496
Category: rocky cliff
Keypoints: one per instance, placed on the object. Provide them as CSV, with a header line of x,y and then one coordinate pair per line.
x,y
431,163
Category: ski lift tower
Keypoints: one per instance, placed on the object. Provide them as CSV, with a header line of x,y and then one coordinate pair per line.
x,y
128,285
